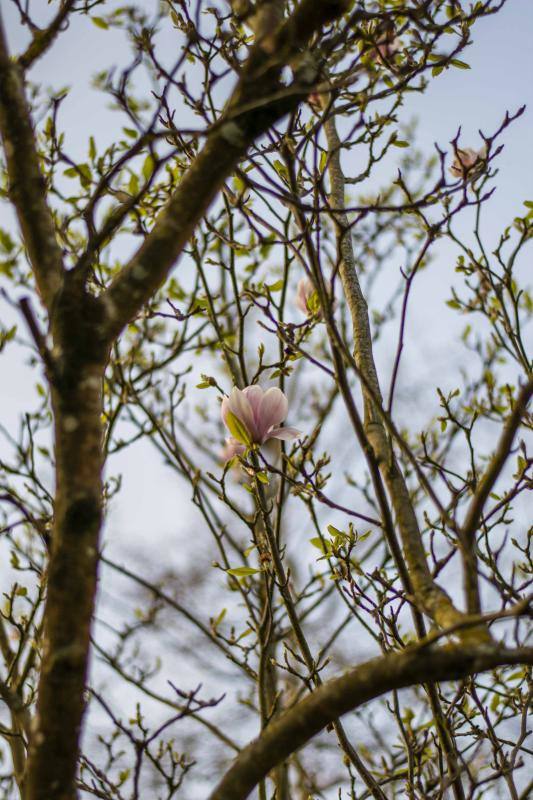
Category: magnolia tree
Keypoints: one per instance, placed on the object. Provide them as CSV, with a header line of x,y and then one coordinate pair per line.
x,y
342,608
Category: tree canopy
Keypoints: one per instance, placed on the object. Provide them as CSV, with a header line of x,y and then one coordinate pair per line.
x,y
223,278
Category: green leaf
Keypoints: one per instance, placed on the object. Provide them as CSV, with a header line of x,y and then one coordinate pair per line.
x,y
243,572
6,242
218,620
148,167
275,287
262,477
100,23
459,64
335,531
436,71
86,174
281,169
400,143
238,429
319,544
313,302
125,773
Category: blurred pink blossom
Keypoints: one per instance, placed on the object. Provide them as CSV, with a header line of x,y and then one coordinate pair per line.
x,y
306,297
314,101
386,46
253,416
231,449
465,160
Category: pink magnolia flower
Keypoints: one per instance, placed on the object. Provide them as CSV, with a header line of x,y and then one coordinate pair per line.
x,y
231,449
465,160
385,48
253,416
306,297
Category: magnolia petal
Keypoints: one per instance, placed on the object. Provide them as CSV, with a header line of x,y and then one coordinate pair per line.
x,y
286,434
239,406
273,410
303,290
224,408
231,449
254,395
465,159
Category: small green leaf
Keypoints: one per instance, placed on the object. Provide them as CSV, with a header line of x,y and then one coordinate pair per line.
x,y
218,620
100,23
400,143
148,167
262,477
275,287
281,169
125,773
319,544
243,572
459,64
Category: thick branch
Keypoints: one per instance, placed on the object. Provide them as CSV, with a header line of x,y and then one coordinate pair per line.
x,y
26,183
297,726
72,571
225,147
431,597
43,39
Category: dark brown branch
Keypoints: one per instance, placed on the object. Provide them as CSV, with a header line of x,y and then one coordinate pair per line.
x,y
361,684
26,183
42,39
40,343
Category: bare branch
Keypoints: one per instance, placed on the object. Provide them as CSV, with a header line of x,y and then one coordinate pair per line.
x,y
26,183
43,39
225,146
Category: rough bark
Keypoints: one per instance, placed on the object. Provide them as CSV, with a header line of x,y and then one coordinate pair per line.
x,y
366,682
